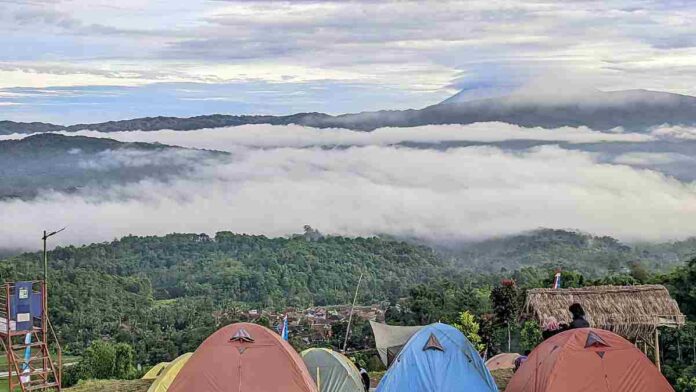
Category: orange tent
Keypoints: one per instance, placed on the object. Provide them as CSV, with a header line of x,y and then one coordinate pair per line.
x,y
587,359
244,357
502,361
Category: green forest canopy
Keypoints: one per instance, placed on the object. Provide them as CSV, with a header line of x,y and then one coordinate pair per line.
x,y
164,295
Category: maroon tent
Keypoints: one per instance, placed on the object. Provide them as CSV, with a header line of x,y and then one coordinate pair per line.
x,y
244,357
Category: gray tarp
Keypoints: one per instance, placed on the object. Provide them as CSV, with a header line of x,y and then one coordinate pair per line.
x,y
332,371
390,338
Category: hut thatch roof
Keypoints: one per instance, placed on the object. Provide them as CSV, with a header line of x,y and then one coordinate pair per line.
x,y
630,311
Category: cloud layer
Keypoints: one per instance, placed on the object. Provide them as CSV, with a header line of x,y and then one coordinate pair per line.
x,y
439,195
230,138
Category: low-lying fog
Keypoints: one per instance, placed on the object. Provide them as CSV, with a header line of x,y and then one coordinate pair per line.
x,y
433,182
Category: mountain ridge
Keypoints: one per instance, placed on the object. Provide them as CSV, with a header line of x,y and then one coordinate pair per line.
x,y
635,110
43,162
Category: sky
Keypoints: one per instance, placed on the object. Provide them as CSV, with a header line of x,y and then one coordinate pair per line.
x,y
77,61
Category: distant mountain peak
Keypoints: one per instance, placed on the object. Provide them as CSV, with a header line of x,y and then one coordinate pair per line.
x,y
633,110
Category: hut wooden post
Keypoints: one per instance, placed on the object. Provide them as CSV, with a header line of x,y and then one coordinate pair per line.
x,y
657,349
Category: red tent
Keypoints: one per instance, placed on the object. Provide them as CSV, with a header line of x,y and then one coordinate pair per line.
x,y
244,358
588,359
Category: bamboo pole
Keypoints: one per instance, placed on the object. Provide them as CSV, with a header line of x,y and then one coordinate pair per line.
x,y
657,349
350,317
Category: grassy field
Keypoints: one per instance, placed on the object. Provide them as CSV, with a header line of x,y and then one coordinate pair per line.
x,y
66,359
502,377
111,386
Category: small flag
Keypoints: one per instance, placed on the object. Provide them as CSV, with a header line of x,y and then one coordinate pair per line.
x,y
284,328
557,280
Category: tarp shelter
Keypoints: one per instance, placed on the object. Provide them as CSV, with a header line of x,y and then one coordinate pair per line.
x,y
502,361
332,371
155,371
438,358
166,377
244,357
390,339
587,359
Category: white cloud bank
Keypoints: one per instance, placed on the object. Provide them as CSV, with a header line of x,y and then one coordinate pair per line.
x,y
265,136
675,132
460,193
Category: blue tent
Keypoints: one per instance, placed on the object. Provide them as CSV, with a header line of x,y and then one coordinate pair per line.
x,y
438,358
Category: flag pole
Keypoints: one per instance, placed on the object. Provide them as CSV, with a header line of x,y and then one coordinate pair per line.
x,y
350,317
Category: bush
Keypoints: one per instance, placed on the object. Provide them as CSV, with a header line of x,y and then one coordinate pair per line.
x,y
530,336
102,360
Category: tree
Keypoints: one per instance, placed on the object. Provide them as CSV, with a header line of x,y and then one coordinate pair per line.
x,y
506,305
100,359
487,331
686,380
468,325
124,362
263,320
639,272
440,301
530,335
680,284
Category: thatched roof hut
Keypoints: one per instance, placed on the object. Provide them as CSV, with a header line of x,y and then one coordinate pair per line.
x,y
634,312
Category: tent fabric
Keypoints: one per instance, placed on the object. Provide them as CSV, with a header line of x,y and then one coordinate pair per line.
x,y
502,361
155,371
458,367
588,359
263,362
166,377
390,339
333,371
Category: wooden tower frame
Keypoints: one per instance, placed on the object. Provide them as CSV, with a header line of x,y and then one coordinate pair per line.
x,y
40,372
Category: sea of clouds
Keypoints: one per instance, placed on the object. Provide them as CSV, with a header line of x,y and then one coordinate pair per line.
x,y
278,178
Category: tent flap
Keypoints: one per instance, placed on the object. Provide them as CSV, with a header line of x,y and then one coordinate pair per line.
x,y
389,339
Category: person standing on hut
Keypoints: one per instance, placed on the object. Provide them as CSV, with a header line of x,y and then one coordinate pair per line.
x,y
579,320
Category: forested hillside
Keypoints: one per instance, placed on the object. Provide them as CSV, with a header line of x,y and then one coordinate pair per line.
x,y
51,162
592,255
163,291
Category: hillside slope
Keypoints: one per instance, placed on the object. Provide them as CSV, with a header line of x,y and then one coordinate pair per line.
x,y
571,250
53,162
165,291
